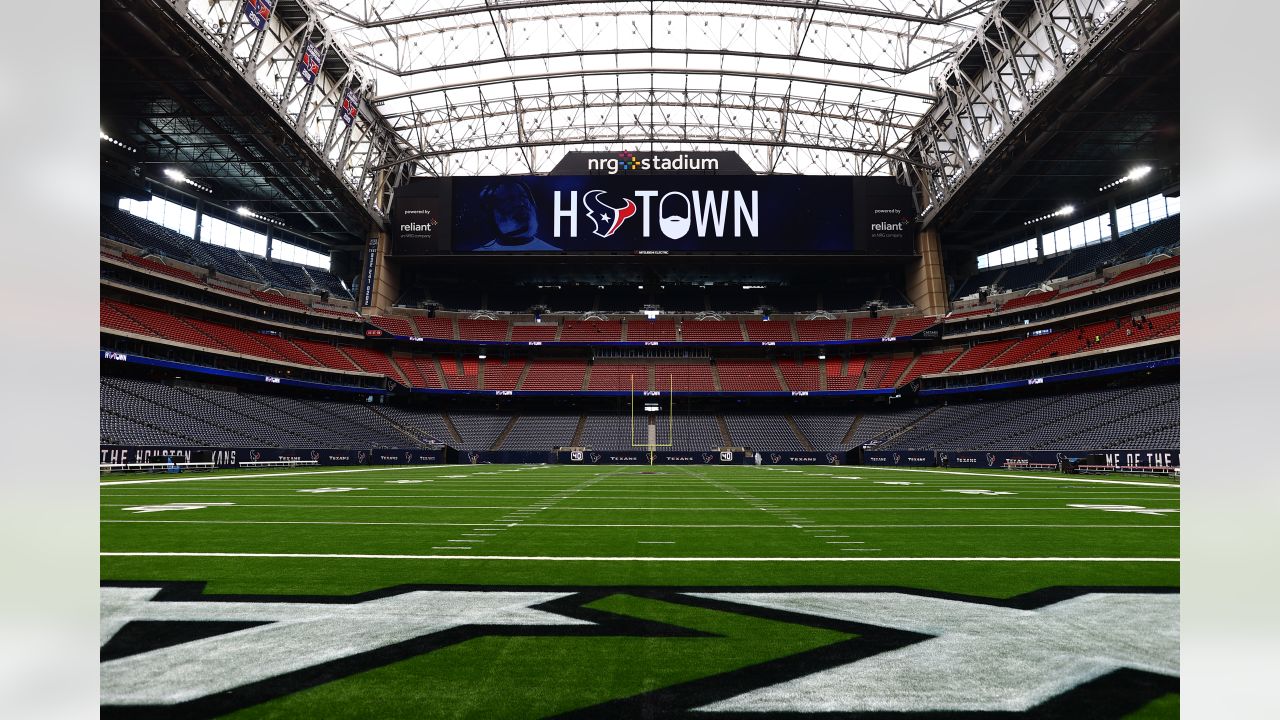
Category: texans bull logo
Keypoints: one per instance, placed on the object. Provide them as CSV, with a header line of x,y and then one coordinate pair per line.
x,y
315,454
707,458
605,217
896,458
991,459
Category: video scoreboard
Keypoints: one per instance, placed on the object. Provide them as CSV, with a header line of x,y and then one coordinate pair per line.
x,y
627,213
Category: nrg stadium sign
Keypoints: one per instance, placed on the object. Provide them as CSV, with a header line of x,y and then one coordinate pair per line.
x,y
652,162
628,161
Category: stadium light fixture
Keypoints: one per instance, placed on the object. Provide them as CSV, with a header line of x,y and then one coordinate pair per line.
x,y
102,135
1060,212
1135,174
482,356
246,212
822,355
178,176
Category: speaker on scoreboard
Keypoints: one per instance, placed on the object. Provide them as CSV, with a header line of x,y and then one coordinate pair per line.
x,y
1097,271
982,296
431,311
324,296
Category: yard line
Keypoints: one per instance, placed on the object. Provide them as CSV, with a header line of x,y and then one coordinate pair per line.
x,y
624,525
587,558
644,509
779,508
1031,477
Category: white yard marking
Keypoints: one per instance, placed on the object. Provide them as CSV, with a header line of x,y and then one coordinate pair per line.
x,y
981,492
896,482
297,636
871,495
624,525
981,658
331,490
407,482
588,558
640,509
1137,509
174,506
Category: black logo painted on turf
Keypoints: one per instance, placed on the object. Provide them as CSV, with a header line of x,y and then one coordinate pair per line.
x,y
761,691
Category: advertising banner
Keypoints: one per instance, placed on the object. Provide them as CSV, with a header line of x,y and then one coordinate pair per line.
x,y
791,458
409,456
229,457
641,457
997,459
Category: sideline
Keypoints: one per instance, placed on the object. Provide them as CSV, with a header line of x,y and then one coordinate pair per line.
x,y
267,475
552,558
1071,478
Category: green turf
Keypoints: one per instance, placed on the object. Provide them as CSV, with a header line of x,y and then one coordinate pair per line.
x,y
543,676
745,527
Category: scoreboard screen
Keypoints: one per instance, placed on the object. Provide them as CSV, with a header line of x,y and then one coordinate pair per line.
x,y
638,214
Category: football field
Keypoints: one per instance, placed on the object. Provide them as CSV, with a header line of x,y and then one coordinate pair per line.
x,y
622,591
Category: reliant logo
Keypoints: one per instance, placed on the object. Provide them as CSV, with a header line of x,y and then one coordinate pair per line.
x,y
628,161
899,226
427,227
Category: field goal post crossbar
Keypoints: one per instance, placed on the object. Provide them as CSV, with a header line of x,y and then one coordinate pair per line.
x,y
651,447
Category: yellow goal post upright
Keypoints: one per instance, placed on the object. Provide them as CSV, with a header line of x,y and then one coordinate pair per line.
x,y
651,446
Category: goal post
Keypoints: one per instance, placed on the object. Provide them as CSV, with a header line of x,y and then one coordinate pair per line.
x,y
649,441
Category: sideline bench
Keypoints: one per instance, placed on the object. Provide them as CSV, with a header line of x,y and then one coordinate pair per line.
x,y
1028,465
154,466
1139,469
276,463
